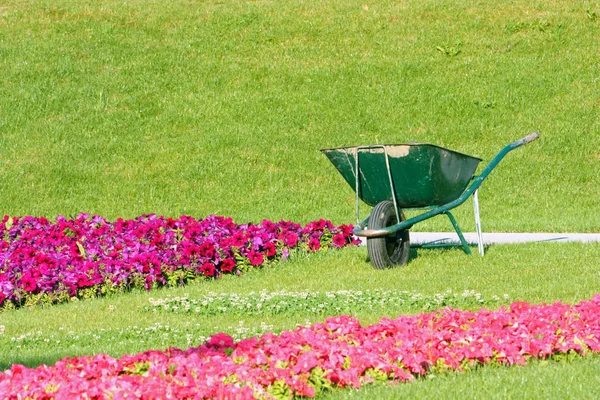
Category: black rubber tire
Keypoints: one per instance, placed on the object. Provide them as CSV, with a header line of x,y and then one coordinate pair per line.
x,y
392,250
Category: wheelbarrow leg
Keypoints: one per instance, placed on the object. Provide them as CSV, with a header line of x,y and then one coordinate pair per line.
x,y
458,232
478,223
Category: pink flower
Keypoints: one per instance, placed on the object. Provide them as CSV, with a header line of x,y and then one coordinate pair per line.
x,y
285,254
306,362
399,349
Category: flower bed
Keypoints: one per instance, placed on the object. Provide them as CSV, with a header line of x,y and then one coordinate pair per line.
x,y
45,262
328,303
336,353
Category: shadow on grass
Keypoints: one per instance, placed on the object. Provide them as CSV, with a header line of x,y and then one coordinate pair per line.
x,y
411,256
32,362
417,251
448,247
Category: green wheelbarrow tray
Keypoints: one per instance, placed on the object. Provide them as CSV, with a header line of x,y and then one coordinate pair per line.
x,y
394,177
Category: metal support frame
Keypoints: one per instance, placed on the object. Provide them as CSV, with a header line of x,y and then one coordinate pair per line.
x,y
465,245
461,237
478,223
357,180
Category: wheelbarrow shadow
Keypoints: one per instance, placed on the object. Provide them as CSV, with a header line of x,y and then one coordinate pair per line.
x,y
412,254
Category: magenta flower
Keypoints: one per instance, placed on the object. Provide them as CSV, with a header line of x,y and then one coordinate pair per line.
x,y
50,259
339,240
314,244
290,239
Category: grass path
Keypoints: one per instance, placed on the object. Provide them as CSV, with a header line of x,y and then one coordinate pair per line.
x,y
118,324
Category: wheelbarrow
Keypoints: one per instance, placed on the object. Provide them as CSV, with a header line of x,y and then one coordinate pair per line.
x,y
393,178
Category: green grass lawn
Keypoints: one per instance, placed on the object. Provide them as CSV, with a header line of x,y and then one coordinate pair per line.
x,y
206,107
540,380
200,107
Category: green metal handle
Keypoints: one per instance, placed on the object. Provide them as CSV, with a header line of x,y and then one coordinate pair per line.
x,y
496,160
477,181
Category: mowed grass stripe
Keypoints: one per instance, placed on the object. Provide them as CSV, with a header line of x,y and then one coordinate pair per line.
x,y
530,272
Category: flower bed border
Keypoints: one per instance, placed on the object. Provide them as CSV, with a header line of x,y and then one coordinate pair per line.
x,y
336,353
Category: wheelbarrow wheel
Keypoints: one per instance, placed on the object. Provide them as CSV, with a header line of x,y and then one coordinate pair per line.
x,y
391,250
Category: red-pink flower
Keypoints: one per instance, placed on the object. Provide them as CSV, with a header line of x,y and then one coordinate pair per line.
x,y
227,265
346,230
239,239
28,283
220,341
255,257
207,269
270,249
207,250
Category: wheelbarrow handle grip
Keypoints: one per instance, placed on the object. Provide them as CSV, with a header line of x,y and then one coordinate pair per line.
x,y
531,137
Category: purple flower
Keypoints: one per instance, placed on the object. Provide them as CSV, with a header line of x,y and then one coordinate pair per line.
x,y
285,254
